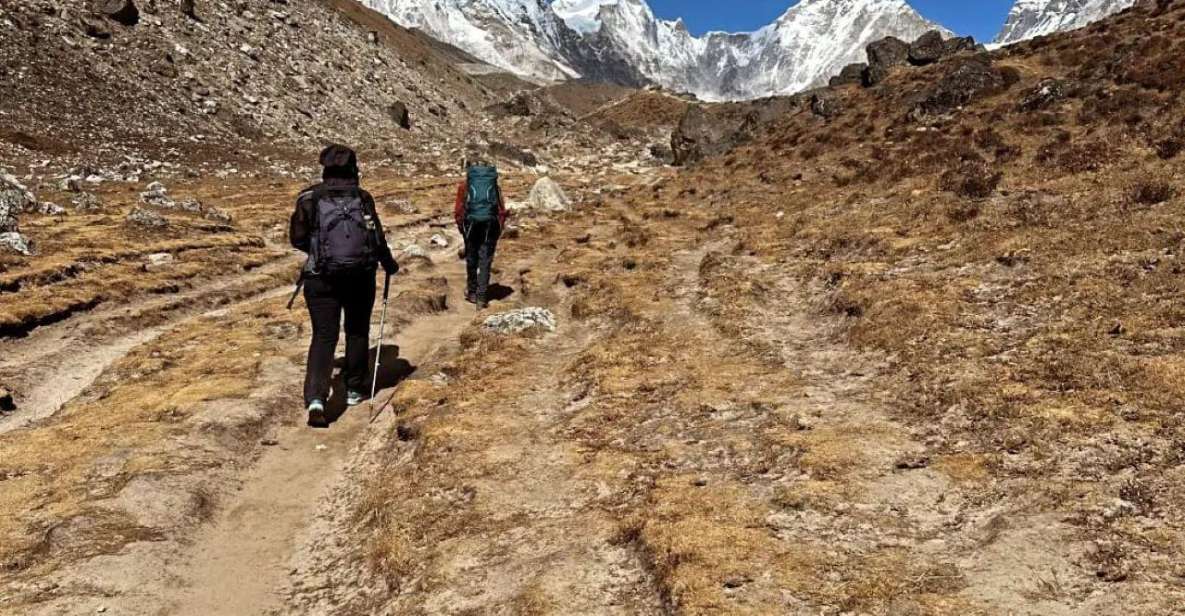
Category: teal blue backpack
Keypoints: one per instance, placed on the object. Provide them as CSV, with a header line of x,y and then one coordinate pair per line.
x,y
481,205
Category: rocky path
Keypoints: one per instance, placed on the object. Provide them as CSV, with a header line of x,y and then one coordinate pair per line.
x,y
239,563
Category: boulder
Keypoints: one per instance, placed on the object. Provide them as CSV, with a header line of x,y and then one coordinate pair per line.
x,y
883,55
122,11
400,115
189,9
51,209
15,242
927,49
15,199
548,196
520,321
970,79
87,202
826,105
146,218
962,43
850,75
438,241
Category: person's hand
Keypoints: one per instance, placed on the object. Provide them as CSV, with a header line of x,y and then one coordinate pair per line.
x,y
391,267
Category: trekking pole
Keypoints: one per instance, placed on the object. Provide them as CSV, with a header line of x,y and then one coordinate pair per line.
x,y
299,285
378,356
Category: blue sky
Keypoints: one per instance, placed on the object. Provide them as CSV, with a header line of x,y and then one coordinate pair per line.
x,y
979,18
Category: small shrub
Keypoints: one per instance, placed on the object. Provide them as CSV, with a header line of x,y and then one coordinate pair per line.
x,y
1150,191
974,180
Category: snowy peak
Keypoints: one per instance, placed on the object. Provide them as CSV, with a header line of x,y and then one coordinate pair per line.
x,y
623,41
1032,18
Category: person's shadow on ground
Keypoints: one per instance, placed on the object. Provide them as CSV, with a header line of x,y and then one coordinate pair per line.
x,y
392,371
498,292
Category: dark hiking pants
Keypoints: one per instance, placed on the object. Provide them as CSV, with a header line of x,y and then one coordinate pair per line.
x,y
328,297
481,239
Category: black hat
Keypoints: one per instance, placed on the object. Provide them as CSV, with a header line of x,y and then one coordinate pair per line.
x,y
339,161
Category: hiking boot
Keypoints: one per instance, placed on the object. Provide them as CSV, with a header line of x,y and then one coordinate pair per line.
x,y
354,398
482,304
471,297
317,418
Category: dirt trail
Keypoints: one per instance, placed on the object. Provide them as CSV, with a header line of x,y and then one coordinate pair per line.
x,y
240,562
57,362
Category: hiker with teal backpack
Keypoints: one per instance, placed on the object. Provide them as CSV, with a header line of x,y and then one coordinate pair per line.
x,y
481,214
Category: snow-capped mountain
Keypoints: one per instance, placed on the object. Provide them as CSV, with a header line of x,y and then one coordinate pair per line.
x,y
1032,18
521,36
623,41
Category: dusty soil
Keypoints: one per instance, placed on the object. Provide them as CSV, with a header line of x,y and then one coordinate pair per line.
x,y
906,350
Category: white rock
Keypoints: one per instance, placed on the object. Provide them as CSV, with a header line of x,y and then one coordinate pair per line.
x,y
414,251
548,196
158,259
521,320
439,241
16,242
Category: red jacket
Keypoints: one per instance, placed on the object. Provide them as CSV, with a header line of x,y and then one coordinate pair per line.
x,y
459,208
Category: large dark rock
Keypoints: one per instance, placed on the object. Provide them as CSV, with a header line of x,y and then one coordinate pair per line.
x,y
1047,93
962,43
889,51
928,49
189,8
704,132
851,74
122,11
883,55
400,115
970,78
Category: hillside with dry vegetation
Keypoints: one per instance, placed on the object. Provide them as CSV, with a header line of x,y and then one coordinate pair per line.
x,y
909,347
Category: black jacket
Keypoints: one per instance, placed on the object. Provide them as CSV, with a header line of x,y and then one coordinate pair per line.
x,y
300,228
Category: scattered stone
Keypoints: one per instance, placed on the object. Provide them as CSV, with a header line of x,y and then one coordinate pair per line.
x,y
826,105
912,461
269,442
146,218
15,199
548,196
51,209
519,321
157,195
158,260
400,115
121,11
15,242
87,202
1045,95
72,184
439,241
414,252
